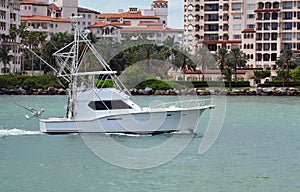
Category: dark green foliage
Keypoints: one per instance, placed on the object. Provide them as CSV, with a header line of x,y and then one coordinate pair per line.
x,y
261,74
104,83
154,84
205,84
43,81
278,84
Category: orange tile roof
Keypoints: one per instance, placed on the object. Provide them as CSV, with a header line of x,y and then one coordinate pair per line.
x,y
33,2
44,18
126,15
149,23
53,7
152,28
267,10
85,10
119,23
102,24
248,31
222,41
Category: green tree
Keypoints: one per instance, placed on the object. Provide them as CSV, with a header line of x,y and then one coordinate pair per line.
x,y
204,59
5,58
287,61
237,59
221,58
283,75
295,74
228,76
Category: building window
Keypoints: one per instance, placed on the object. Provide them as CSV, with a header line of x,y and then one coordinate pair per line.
x,y
287,46
258,36
266,26
258,57
287,36
266,46
274,26
190,38
298,36
250,26
266,36
250,6
236,36
190,28
236,26
274,36
237,16
276,5
250,16
266,57
287,26
273,46
273,56
287,5
287,15
266,16
236,6
298,25
89,16
274,16
259,26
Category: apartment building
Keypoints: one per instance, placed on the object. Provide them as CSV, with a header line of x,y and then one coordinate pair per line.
x,y
9,17
262,29
151,23
39,15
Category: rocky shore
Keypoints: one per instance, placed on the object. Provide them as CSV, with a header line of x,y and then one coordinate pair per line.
x,y
148,91
29,91
235,92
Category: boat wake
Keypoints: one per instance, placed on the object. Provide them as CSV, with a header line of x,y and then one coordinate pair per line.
x,y
16,132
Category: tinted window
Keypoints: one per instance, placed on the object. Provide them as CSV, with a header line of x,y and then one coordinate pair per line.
x,y
105,105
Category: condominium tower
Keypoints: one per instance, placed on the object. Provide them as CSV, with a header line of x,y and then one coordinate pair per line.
x,y
9,18
262,29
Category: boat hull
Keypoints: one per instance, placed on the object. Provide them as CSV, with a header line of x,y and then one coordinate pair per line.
x,y
140,123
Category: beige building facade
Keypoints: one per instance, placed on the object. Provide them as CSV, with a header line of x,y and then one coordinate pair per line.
x,y
151,23
9,18
262,29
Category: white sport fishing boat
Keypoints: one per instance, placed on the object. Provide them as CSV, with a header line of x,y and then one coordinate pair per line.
x,y
91,109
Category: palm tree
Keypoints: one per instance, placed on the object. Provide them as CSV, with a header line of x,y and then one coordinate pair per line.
x,y
5,57
221,57
228,75
204,59
13,32
169,46
288,60
237,59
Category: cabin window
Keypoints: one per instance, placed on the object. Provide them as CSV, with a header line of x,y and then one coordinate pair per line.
x,y
105,105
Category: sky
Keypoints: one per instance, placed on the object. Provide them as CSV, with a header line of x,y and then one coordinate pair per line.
x,y
175,17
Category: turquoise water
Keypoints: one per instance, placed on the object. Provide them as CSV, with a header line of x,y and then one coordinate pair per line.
x,y
258,149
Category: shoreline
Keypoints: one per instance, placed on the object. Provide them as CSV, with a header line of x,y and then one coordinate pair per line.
x,y
148,91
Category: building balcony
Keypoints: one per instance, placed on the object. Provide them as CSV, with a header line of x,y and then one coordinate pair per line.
x,y
40,29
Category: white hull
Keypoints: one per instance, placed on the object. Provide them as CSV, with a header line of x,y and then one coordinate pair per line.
x,y
141,123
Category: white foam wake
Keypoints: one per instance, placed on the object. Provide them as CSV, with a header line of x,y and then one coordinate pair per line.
x,y
14,132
